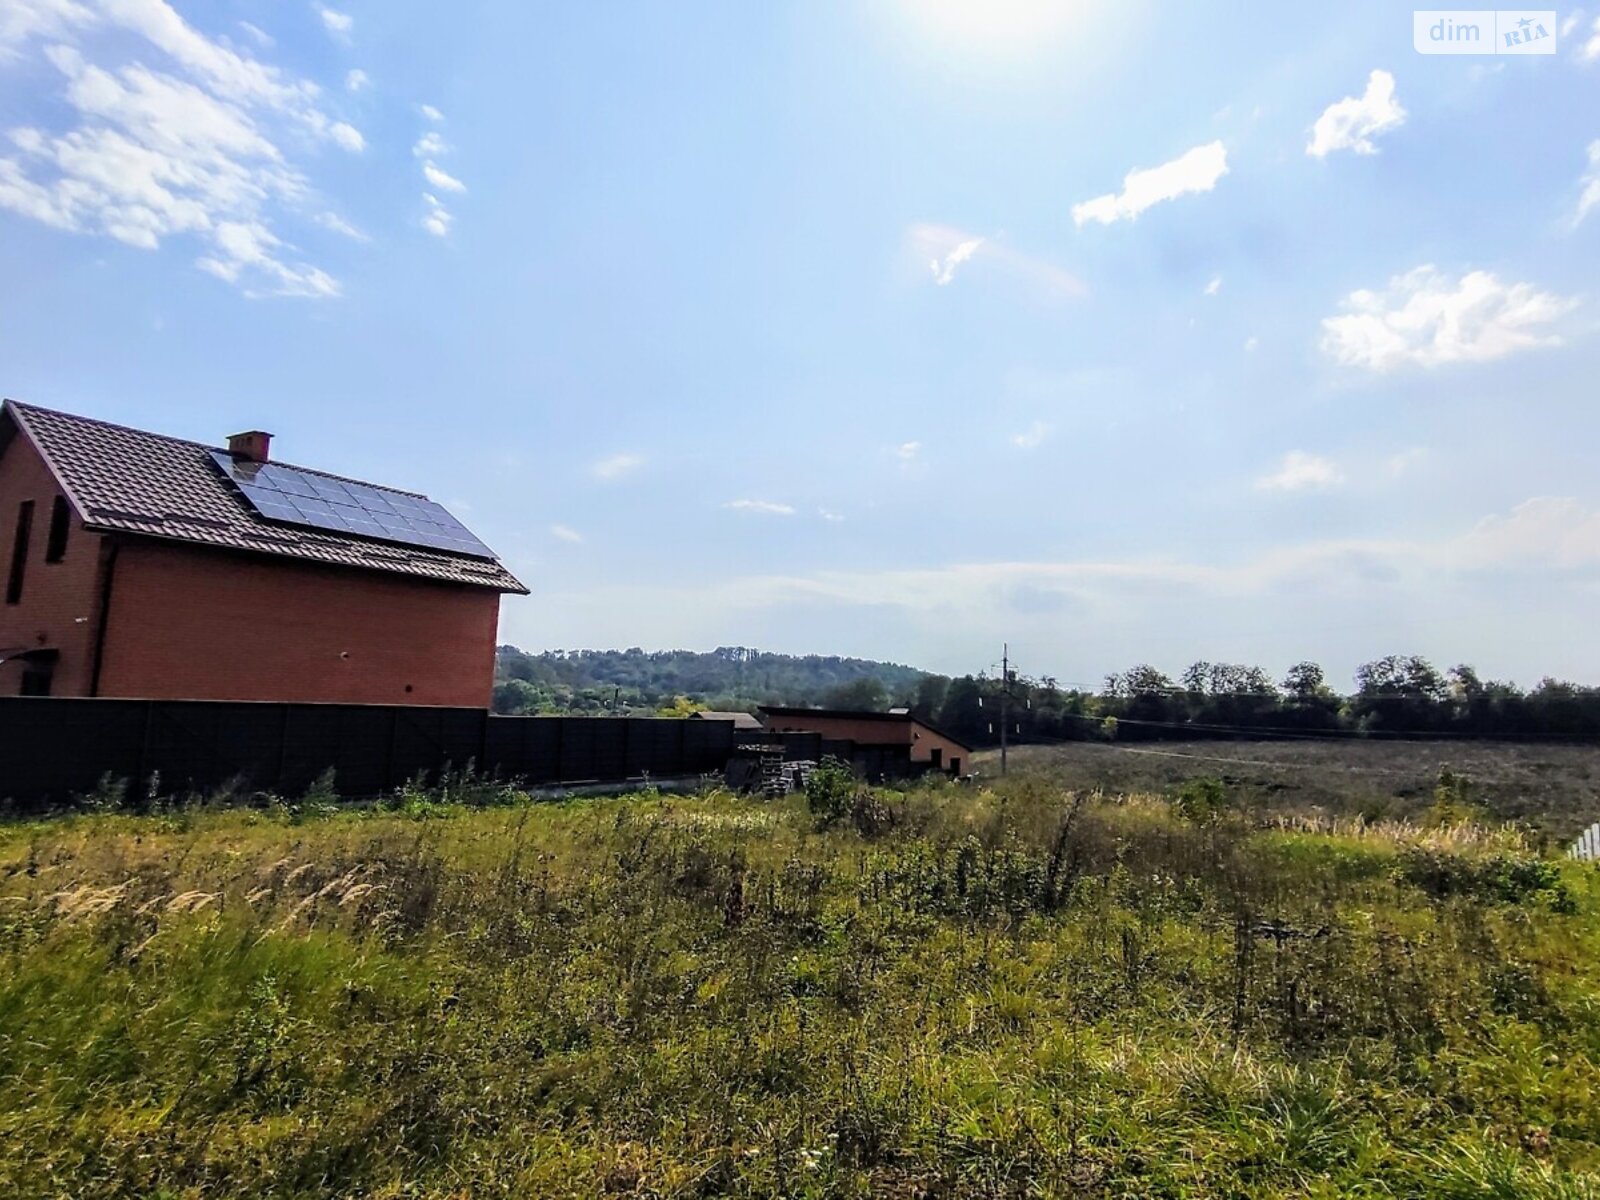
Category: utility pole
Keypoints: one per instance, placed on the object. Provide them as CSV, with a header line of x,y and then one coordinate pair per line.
x,y
1007,676
1005,701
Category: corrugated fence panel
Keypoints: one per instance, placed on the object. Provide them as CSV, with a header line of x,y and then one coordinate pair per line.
x,y
610,749
651,744
311,737
427,741
61,747
541,748
376,752
249,743
706,747
180,743
576,761
54,748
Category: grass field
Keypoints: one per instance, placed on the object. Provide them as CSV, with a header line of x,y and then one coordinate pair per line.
x,y
1017,991
1552,790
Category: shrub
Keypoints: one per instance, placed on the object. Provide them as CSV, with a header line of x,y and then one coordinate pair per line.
x,y
1201,801
109,795
1502,878
830,790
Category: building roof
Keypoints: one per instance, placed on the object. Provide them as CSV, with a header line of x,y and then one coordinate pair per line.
x,y
741,720
901,717
123,480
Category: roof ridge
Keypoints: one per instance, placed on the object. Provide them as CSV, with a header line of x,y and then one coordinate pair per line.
x,y
121,479
207,446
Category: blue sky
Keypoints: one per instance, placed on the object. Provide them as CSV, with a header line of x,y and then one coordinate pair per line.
x,y
1120,332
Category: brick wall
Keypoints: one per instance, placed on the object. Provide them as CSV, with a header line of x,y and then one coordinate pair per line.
x,y
868,732
193,623
201,624
59,600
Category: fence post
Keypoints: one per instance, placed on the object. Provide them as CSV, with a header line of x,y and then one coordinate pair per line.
x,y
144,744
283,748
388,757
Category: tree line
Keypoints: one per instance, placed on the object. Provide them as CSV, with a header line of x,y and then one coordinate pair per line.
x,y
1398,695
676,682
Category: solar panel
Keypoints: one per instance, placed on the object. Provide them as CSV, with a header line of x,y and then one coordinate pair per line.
x,y
297,497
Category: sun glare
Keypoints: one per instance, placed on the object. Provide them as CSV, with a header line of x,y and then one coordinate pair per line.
x,y
993,26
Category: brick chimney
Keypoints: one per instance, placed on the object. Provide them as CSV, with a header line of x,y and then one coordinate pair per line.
x,y
254,446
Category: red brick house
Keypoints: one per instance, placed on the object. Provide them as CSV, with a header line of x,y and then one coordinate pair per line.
x,y
143,566
897,731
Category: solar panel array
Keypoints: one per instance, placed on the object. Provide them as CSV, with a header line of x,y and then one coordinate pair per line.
x,y
297,497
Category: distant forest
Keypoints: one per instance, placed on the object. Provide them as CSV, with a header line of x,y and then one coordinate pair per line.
x,y
1395,696
734,678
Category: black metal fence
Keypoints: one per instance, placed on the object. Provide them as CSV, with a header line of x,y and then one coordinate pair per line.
x,y
54,748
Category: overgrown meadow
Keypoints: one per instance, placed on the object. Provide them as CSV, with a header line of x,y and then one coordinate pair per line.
x,y
956,991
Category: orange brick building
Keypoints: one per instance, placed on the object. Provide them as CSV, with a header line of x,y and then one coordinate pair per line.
x,y
921,742
143,566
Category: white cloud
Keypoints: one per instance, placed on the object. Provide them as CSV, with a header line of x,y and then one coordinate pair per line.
x,y
829,515
1299,472
251,248
1424,319
615,466
1589,198
907,451
24,19
437,220
356,80
769,507
260,36
1553,531
1214,286
335,22
1516,591
1031,437
1540,534
348,136
1401,463
429,145
944,247
1571,22
1250,343
182,136
944,270
1351,123
1590,50
1195,171
333,222
442,179
565,533
426,147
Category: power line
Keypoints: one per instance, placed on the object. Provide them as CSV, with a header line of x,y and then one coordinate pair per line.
x,y
1335,735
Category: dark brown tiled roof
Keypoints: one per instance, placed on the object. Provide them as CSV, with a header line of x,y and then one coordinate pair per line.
x,y
741,720
901,717
129,481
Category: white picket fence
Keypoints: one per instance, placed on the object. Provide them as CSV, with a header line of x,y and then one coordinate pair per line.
x,y
1587,847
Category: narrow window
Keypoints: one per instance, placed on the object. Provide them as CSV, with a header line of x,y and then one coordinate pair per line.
x,y
19,552
55,549
37,678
